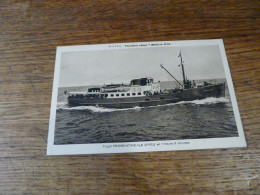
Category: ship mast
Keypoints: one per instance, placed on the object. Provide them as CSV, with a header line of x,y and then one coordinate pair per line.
x,y
183,72
170,75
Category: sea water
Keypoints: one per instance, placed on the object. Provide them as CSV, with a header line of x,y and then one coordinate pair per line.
x,y
207,118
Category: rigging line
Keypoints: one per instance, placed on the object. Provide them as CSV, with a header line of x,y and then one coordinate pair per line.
x,y
208,75
208,71
205,68
170,74
172,83
169,79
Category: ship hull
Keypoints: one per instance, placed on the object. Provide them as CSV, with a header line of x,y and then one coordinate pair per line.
x,y
217,90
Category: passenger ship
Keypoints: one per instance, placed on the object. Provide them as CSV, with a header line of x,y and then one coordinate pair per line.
x,y
144,92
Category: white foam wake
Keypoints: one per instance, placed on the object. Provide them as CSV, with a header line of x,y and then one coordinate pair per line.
x,y
95,109
210,100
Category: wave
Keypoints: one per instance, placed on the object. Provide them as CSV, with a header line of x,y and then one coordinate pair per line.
x,y
95,109
210,100
64,106
101,109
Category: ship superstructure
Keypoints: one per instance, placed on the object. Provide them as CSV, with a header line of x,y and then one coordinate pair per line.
x,y
137,88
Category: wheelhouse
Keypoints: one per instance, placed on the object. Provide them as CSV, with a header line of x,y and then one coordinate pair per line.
x,y
142,81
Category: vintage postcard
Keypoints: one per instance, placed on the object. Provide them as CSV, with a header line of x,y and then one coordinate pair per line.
x,y
142,97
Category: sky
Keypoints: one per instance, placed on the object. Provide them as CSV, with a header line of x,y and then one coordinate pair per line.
x,y
122,65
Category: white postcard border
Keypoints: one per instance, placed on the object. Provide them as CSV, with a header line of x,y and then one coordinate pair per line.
x,y
145,146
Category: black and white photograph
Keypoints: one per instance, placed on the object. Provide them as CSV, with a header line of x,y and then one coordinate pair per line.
x,y
138,97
